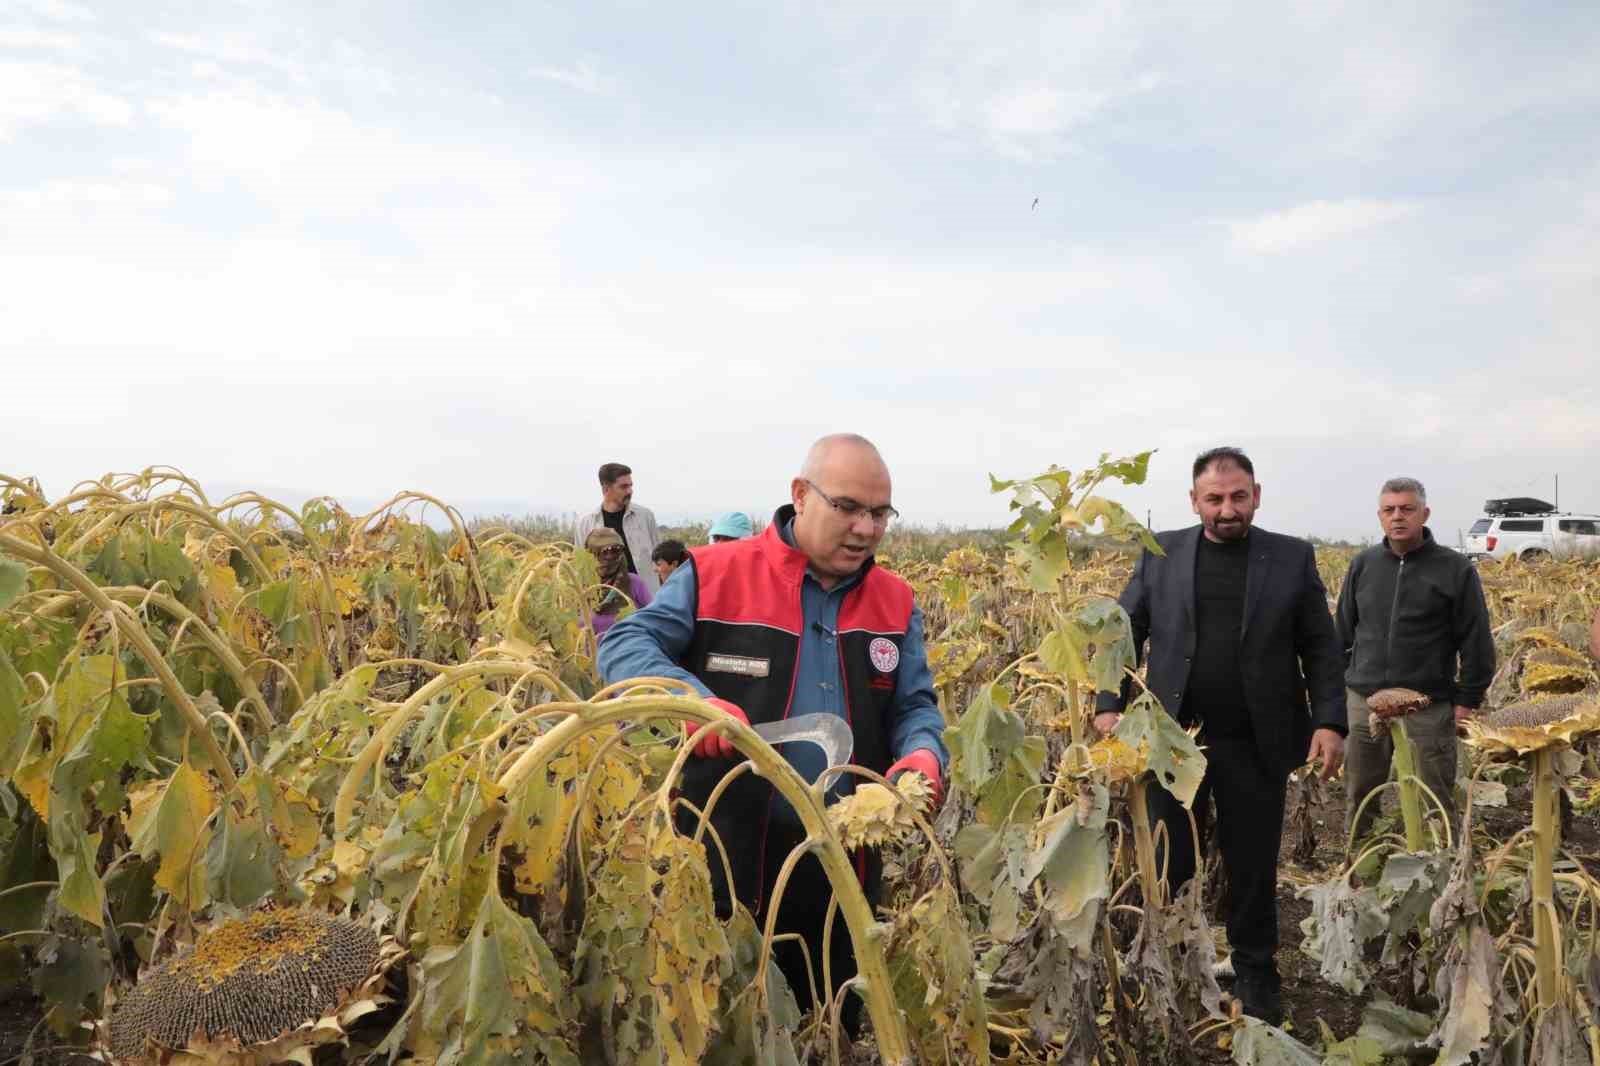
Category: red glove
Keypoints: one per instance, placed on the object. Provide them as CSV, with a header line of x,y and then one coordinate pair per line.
x,y
925,763
717,744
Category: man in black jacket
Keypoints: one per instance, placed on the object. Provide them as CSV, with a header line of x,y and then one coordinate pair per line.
x,y
1239,628
1410,611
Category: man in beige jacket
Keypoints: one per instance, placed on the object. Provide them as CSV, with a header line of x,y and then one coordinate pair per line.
x,y
636,525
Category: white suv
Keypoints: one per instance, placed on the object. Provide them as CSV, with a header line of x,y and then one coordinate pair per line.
x,y
1530,535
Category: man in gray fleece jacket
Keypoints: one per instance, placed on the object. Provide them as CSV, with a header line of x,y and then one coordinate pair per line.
x,y
1411,614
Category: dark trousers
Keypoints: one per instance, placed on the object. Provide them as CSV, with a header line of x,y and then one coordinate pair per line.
x,y
803,909
1249,802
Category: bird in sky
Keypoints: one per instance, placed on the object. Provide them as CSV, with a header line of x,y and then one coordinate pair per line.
x,y
1035,203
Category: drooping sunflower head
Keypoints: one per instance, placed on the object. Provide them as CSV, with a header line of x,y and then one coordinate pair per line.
x,y
1397,702
1555,670
1536,724
1390,703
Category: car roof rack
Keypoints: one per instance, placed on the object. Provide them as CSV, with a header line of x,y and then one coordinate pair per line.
x,y
1510,506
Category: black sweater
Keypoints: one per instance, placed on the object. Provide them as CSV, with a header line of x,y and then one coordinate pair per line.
x,y
1216,683
1408,621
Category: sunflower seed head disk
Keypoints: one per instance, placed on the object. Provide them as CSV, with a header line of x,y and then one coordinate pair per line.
x,y
251,979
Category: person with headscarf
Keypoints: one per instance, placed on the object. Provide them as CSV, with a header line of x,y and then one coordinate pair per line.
x,y
617,585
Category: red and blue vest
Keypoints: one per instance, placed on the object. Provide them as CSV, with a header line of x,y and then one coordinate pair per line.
x,y
746,649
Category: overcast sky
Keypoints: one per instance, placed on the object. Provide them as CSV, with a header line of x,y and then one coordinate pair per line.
x,y
478,249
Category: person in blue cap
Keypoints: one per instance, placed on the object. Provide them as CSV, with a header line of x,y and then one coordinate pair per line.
x,y
735,525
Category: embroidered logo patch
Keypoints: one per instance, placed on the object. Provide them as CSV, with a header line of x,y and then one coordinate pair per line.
x,y
884,655
738,664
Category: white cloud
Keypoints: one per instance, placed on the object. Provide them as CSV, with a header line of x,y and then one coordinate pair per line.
x,y
1314,222
253,133
305,63
1295,86
1037,111
1023,82
307,159
582,76
93,194
11,37
34,94
59,10
357,69
234,49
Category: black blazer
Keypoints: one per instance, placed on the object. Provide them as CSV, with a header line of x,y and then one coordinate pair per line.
x,y
1287,647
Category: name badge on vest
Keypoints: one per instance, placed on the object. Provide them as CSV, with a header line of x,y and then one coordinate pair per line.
x,y
742,665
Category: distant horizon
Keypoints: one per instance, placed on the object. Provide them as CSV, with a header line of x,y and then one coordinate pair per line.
x,y
484,509
514,509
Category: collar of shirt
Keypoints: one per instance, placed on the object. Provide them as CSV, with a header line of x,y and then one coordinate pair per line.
x,y
819,682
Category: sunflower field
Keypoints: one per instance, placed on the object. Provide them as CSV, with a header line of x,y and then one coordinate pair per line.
x,y
300,785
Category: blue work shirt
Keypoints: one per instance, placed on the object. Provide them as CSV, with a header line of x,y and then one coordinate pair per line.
x,y
651,641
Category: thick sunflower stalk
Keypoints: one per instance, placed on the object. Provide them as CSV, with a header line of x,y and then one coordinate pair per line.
x,y
1539,730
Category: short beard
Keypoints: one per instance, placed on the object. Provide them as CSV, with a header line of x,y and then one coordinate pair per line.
x,y
1237,530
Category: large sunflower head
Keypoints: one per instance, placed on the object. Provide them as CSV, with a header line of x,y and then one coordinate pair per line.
x,y
1536,724
252,990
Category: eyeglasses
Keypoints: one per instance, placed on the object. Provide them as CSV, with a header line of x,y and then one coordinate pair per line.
x,y
851,510
610,550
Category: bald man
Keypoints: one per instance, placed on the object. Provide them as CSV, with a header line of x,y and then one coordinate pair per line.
x,y
795,621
